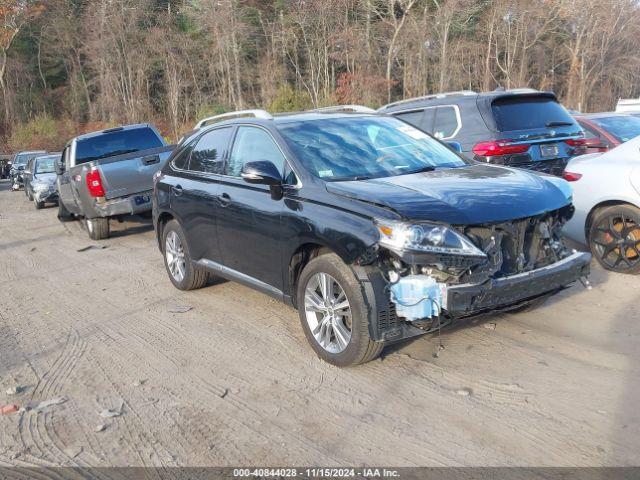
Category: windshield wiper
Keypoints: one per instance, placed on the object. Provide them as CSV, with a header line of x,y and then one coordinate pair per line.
x,y
428,168
559,123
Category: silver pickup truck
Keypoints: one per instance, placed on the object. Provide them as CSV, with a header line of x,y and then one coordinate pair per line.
x,y
108,174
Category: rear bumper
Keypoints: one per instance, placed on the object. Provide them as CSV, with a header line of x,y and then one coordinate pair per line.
x,y
130,205
470,299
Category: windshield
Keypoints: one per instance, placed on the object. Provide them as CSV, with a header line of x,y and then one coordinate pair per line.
x,y
117,142
526,113
23,158
357,148
623,127
46,165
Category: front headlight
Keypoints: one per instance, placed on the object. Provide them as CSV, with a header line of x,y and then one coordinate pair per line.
x,y
425,237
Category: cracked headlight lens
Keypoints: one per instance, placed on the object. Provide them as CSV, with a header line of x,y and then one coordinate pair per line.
x,y
425,237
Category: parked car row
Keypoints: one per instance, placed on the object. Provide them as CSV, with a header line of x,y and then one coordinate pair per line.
x,y
377,226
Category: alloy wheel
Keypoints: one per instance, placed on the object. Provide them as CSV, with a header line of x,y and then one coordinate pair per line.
x,y
617,241
328,312
174,252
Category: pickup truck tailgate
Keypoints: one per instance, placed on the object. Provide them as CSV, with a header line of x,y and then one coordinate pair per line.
x,y
131,173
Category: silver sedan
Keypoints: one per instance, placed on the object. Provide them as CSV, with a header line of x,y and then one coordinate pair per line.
x,y
606,195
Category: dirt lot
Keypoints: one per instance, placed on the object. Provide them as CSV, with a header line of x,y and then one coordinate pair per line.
x,y
232,381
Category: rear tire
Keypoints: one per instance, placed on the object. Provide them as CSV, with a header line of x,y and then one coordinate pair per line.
x,y
97,228
614,238
344,288
182,270
64,215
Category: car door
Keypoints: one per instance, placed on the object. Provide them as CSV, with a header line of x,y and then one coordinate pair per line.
x,y
64,183
249,216
194,192
27,175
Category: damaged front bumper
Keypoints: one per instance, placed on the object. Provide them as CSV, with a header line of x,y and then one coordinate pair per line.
x,y
457,301
469,299
46,196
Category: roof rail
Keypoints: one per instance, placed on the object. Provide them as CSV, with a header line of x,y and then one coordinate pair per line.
x,y
344,108
522,90
458,93
240,113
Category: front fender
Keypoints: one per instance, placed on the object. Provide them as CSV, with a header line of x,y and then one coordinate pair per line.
x,y
349,235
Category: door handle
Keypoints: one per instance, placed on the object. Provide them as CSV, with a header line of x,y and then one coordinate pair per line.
x,y
225,199
177,190
151,159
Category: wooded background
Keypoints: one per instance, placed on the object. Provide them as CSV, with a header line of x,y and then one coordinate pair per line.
x,y
68,66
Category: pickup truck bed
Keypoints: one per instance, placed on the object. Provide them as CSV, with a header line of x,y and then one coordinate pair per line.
x,y
110,186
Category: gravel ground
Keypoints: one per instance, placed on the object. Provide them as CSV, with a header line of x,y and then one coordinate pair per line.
x,y
232,381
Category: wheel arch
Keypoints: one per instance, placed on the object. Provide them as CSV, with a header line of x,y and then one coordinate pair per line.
x,y
163,219
602,205
302,255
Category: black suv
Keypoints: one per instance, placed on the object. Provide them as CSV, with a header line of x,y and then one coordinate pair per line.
x,y
520,128
374,230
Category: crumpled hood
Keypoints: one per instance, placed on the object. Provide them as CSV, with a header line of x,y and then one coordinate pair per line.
x,y
470,195
46,178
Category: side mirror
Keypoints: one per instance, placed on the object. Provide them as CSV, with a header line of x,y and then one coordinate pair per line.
x,y
455,146
262,172
59,167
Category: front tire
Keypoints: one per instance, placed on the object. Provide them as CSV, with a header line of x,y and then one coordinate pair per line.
x,y
182,270
334,313
97,228
39,205
614,238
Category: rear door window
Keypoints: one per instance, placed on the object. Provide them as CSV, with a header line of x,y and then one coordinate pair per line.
x,y
116,142
525,113
446,122
208,154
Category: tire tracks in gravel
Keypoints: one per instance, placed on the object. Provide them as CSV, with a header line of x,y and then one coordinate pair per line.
x,y
38,428
192,382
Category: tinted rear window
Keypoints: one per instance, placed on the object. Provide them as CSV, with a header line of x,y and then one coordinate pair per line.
x,y
529,113
116,143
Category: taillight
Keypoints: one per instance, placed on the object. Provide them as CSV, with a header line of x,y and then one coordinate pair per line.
x,y
571,177
576,142
94,184
499,147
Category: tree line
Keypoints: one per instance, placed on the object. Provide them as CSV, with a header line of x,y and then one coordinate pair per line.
x,y
72,65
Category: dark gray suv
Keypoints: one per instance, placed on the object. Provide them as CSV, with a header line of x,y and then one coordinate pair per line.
x,y
519,128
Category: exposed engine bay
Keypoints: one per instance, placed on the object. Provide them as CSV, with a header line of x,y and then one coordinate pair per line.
x,y
456,271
